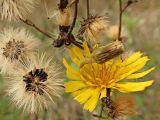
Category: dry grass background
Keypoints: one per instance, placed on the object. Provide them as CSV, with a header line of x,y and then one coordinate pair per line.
x,y
142,21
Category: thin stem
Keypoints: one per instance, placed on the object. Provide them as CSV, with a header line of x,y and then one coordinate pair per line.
x,y
121,10
101,110
73,41
130,2
108,92
108,97
76,43
120,20
75,17
97,116
28,22
88,9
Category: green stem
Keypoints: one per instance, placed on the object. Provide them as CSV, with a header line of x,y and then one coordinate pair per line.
x,y
101,110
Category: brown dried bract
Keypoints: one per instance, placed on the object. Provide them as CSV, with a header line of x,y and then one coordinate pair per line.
x,y
121,107
105,53
92,27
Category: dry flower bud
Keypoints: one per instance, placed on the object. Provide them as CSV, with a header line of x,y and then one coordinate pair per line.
x,y
105,53
121,107
92,27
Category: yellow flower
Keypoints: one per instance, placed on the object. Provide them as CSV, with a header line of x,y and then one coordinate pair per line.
x,y
89,83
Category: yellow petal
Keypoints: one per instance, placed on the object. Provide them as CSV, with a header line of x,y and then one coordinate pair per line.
x,y
78,52
118,61
91,104
74,59
132,86
103,93
86,49
76,93
124,72
74,86
132,58
139,75
84,95
71,73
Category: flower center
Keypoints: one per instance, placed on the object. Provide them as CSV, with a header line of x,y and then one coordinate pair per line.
x,y
35,81
97,74
13,49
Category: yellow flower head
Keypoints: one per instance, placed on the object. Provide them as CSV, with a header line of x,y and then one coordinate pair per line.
x,y
89,83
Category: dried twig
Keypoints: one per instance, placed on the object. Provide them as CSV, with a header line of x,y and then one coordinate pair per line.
x,y
30,23
121,9
120,20
75,17
88,9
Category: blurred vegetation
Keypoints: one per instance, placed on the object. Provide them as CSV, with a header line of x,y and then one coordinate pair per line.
x,y
143,25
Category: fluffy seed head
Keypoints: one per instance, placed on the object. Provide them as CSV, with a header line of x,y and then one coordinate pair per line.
x,y
35,84
15,9
15,45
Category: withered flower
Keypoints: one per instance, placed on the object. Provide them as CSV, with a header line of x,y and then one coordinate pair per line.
x,y
121,107
92,27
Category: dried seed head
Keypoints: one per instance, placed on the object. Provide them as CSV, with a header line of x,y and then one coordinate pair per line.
x,y
92,27
13,49
105,53
35,80
35,84
15,9
63,18
121,107
16,44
